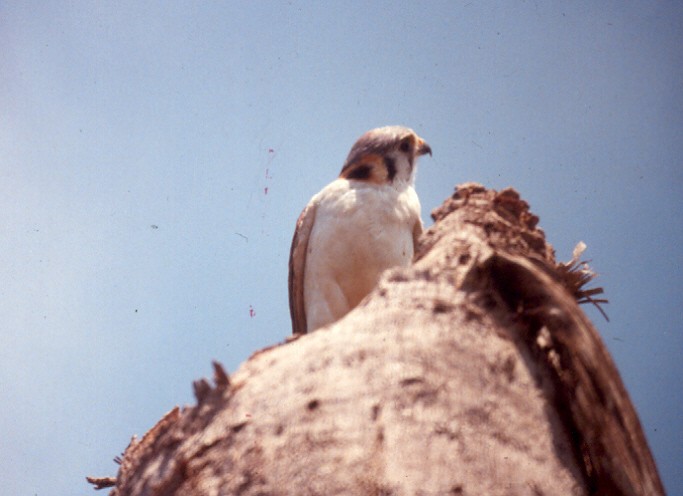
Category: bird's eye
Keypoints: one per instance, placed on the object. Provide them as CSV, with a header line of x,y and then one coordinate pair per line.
x,y
405,145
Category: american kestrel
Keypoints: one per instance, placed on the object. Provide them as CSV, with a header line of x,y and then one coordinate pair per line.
x,y
362,223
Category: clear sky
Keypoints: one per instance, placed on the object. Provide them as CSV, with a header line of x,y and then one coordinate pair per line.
x,y
154,157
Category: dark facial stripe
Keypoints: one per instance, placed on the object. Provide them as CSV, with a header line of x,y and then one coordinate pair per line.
x,y
360,172
390,164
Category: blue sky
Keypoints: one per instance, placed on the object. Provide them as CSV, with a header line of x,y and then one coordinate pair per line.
x,y
154,157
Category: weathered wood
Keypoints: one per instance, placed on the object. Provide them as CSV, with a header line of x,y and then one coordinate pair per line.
x,y
472,372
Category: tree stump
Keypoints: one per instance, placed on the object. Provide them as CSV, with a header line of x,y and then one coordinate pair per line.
x,y
472,372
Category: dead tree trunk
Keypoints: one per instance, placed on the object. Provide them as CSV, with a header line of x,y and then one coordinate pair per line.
x,y
472,372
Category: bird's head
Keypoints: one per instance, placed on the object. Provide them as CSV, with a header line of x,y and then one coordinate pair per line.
x,y
386,155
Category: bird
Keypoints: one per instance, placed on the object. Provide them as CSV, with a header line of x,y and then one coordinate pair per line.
x,y
362,223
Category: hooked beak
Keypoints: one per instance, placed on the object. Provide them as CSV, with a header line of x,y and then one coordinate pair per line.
x,y
423,148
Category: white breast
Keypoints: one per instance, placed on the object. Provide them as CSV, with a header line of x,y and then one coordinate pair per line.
x,y
361,229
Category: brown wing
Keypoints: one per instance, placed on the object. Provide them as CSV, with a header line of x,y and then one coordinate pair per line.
x,y
297,266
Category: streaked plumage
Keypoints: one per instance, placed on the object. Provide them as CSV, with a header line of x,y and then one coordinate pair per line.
x,y
359,225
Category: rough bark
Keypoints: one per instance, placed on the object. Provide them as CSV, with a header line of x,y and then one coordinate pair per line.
x,y
472,372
